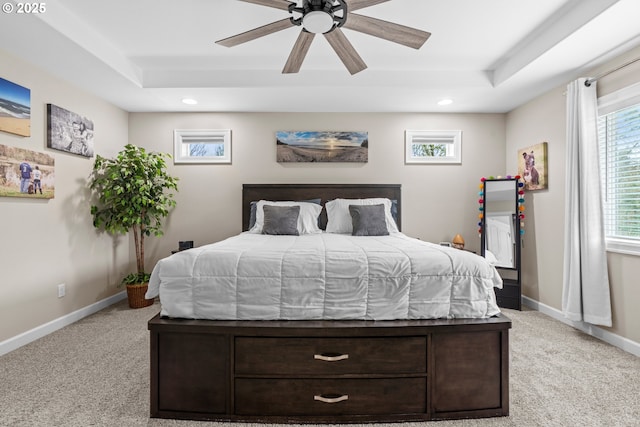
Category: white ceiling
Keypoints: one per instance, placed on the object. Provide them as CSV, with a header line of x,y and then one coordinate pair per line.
x,y
486,55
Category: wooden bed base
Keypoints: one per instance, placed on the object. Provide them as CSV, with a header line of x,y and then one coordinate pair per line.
x,y
328,371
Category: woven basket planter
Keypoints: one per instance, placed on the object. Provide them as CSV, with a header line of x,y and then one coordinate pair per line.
x,y
135,293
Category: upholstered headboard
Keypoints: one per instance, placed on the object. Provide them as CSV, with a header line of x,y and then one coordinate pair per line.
x,y
325,192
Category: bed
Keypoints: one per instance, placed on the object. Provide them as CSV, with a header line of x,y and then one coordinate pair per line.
x,y
353,336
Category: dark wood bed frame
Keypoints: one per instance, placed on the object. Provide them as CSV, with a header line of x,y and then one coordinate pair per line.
x,y
328,371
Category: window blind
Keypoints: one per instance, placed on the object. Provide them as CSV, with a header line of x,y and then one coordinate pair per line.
x,y
619,140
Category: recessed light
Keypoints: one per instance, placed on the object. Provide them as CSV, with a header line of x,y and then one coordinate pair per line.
x,y
445,101
189,101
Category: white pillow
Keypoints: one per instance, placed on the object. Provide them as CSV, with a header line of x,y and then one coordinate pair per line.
x,y
307,220
339,218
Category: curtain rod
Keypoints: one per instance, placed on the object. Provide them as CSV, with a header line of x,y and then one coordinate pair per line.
x,y
606,73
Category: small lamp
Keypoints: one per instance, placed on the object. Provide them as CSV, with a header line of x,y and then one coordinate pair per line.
x,y
458,242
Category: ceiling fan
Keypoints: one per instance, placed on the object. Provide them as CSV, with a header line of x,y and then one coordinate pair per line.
x,y
327,17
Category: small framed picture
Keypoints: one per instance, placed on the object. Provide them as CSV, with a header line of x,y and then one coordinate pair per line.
x,y
26,173
532,166
68,131
15,108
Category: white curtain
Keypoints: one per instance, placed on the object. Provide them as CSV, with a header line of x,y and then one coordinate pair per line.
x,y
585,293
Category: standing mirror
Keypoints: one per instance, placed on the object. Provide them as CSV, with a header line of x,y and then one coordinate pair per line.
x,y
500,239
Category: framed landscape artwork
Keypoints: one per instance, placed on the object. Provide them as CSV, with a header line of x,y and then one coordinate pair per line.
x,y
311,146
532,166
26,173
15,108
68,131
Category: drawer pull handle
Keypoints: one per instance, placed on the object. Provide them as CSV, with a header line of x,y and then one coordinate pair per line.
x,y
331,357
332,398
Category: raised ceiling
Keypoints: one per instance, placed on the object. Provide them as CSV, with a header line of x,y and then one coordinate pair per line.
x,y
488,56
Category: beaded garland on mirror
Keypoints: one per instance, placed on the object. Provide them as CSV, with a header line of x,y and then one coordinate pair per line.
x,y
521,207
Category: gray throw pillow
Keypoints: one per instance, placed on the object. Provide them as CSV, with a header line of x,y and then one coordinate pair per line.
x,y
281,220
254,205
368,220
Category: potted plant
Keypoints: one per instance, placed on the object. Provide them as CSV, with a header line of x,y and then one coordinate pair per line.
x,y
134,193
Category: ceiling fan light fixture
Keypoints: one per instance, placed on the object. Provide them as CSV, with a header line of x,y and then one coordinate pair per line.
x,y
327,17
189,101
445,101
317,22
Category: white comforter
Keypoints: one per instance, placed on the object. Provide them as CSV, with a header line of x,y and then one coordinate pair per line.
x,y
324,276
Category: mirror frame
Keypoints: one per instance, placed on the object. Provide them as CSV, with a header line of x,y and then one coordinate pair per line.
x,y
515,221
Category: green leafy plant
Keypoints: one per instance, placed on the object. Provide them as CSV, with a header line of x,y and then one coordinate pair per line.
x,y
133,193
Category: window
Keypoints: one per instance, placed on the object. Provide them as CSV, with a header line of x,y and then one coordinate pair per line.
x,y
619,140
202,146
425,146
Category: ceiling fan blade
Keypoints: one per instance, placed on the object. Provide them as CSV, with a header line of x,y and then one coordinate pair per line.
x,y
298,52
345,51
278,4
361,4
396,33
256,33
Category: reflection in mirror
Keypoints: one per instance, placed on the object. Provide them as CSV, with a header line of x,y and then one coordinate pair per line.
x,y
500,239
500,233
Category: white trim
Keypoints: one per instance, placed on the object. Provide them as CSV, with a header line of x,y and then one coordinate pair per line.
x,y
25,338
589,329
622,98
59,323
623,246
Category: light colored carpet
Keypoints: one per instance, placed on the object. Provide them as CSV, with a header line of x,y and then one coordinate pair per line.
x,y
96,373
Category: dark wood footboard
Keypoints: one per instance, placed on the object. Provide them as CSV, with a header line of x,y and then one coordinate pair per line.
x,y
329,371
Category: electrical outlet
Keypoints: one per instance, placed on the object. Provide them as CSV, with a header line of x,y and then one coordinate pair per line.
x,y
61,290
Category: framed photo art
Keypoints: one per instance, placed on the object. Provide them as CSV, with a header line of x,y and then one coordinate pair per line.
x,y
324,146
26,173
15,108
433,147
532,166
69,132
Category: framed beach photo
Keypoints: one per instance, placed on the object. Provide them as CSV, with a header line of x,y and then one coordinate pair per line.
x,y
15,108
323,146
69,132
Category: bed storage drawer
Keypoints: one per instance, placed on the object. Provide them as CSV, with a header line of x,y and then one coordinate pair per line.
x,y
330,356
266,372
318,397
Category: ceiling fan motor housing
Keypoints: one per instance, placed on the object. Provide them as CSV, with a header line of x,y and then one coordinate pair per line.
x,y
320,16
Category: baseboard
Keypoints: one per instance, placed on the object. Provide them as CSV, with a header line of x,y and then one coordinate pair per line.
x,y
589,329
59,323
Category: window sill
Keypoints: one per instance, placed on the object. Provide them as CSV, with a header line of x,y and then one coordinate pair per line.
x,y
628,247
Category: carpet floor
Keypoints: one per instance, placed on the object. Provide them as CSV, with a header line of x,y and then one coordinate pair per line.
x,y
96,373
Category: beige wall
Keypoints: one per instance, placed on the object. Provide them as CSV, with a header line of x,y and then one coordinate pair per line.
x,y
544,119
541,120
44,243
438,200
